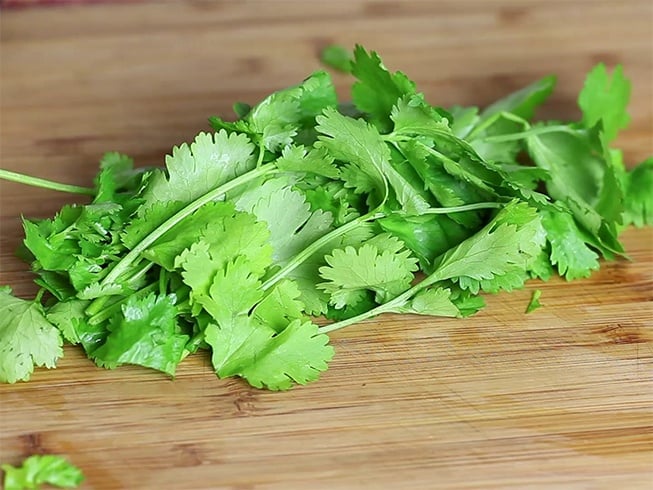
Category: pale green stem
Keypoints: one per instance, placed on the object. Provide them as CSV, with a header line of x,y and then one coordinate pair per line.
x,y
45,184
493,119
502,138
261,154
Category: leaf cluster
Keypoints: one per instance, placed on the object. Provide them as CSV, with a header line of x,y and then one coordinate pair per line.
x,y
307,212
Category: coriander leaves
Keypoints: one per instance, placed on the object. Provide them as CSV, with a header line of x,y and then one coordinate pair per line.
x,y
27,338
39,469
305,216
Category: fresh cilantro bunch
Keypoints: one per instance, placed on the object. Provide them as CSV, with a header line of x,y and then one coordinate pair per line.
x,y
305,209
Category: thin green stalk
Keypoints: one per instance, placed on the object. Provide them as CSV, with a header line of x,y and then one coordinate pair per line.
x,y
135,252
163,281
439,154
140,273
97,305
493,119
457,209
431,132
526,134
44,183
261,154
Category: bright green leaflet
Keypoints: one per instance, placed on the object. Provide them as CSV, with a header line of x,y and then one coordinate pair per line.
x,y
40,469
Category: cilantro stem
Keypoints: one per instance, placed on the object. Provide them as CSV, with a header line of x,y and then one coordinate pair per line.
x,y
163,281
456,209
44,183
261,154
526,134
124,264
403,137
493,119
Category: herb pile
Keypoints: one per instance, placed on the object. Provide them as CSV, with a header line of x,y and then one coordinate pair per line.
x,y
307,209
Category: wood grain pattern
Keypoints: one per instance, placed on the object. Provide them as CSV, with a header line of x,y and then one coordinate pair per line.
x,y
560,398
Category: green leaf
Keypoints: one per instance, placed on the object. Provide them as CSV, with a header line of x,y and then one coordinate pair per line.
x,y
448,188
639,195
359,144
307,275
467,303
581,177
337,57
508,280
280,306
377,90
427,236
257,347
279,118
366,304
193,170
464,120
431,301
569,251
71,320
309,161
503,248
335,198
148,219
56,283
65,315
605,99
241,109
534,303
145,333
42,469
48,241
299,226
298,354
116,174
413,116
221,226
383,267
523,102
492,121
27,338
222,287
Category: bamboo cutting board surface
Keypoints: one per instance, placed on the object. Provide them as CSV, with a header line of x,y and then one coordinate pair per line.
x,y
559,398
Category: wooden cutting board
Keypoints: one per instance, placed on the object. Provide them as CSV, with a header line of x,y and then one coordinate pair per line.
x,y
559,398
